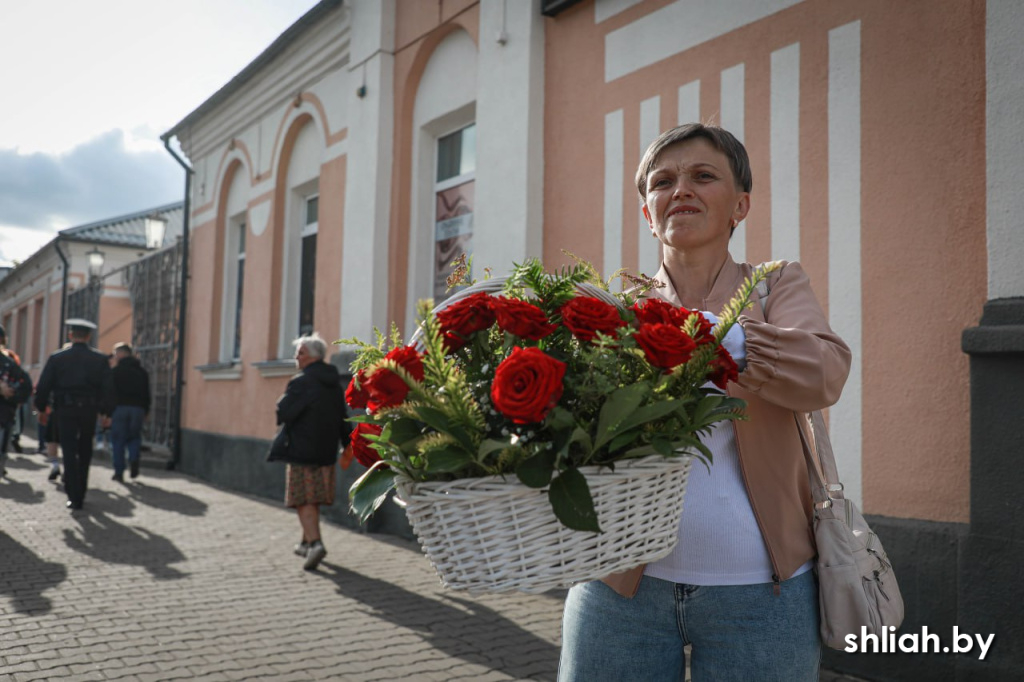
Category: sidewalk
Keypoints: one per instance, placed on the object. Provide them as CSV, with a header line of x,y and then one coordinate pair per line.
x,y
170,578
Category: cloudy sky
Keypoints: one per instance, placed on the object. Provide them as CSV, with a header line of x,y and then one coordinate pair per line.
x,y
87,88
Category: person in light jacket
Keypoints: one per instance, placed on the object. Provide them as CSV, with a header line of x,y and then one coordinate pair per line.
x,y
312,412
738,586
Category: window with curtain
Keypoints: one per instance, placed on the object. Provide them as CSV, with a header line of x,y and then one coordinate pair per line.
x,y
307,272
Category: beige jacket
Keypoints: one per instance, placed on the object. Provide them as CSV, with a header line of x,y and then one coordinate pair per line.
x,y
795,363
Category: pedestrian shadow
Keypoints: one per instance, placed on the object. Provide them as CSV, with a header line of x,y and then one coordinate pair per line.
x,y
25,462
464,629
158,498
109,541
24,577
20,491
106,502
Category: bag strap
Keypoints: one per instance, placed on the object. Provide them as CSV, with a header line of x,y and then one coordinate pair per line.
x,y
823,475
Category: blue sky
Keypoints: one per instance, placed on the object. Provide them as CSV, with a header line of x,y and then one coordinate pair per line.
x,y
89,86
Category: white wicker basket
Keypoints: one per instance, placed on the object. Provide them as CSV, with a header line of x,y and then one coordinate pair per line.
x,y
496,535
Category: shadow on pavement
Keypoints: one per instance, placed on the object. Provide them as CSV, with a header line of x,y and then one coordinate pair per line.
x,y
20,491
107,540
467,630
26,461
167,500
106,502
24,577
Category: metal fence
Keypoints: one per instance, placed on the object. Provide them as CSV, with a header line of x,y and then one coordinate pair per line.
x,y
155,286
84,303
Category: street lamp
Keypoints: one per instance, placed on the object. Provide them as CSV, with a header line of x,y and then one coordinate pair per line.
x,y
96,259
156,227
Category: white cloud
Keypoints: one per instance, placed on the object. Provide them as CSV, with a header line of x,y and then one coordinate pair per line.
x,y
100,179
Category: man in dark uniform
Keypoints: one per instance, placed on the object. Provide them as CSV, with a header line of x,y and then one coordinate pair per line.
x,y
79,378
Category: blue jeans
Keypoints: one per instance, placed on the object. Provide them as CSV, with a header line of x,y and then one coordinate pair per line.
x,y
737,632
126,431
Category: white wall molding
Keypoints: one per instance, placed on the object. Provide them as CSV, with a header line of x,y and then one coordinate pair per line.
x,y
784,144
678,27
1004,147
509,211
844,241
364,275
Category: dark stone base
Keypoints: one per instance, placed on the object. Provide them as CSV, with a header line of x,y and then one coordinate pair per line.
x,y
239,463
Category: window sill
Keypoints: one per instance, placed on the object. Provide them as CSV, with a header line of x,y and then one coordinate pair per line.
x,y
221,371
285,367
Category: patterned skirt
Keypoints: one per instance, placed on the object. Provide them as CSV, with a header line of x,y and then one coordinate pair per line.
x,y
309,484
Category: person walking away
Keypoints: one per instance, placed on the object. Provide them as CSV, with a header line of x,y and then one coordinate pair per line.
x,y
312,414
15,388
131,405
79,379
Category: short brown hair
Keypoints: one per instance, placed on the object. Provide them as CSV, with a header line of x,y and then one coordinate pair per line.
x,y
720,138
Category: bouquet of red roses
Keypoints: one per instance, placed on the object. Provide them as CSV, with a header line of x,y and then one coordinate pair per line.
x,y
536,376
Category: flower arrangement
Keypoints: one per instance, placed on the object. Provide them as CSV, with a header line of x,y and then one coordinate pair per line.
x,y
552,374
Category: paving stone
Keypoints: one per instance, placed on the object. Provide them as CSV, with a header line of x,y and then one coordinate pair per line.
x,y
171,578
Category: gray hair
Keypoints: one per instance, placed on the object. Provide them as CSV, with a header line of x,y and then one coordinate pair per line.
x,y
314,344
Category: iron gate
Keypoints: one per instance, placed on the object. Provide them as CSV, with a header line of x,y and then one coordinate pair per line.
x,y
84,303
155,286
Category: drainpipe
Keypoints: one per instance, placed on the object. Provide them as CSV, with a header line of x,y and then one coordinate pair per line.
x,y
179,370
63,293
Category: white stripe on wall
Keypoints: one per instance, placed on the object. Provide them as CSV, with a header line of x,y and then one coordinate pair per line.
x,y
784,143
605,9
733,119
1004,146
689,103
844,271
676,28
614,163
648,248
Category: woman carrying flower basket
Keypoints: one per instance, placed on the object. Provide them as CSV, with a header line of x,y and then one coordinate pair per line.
x,y
738,586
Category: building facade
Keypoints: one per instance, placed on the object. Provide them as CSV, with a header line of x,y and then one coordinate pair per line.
x,y
31,294
337,175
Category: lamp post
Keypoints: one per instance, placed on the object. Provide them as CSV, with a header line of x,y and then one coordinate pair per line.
x,y
96,260
156,228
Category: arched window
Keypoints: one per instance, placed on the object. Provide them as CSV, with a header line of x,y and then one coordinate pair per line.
x,y
235,226
301,225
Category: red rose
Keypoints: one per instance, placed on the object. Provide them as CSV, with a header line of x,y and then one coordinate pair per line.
x,y
723,369
357,397
365,454
704,332
657,311
387,389
665,345
527,384
585,316
521,318
463,318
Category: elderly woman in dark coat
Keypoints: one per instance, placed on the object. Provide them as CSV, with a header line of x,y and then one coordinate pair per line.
x,y
312,411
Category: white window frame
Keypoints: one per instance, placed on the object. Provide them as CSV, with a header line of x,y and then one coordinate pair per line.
x,y
296,229
424,193
233,256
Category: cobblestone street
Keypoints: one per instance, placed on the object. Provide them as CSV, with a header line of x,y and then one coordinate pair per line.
x,y
170,578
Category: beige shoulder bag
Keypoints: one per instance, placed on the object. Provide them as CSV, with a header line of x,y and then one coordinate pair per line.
x,y
857,590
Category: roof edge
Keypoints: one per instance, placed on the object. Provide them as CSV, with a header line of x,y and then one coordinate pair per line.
x,y
274,50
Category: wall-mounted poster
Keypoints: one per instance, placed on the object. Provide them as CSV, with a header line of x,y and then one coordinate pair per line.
x,y
453,233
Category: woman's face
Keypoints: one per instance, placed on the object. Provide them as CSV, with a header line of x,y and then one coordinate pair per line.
x,y
303,358
692,199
